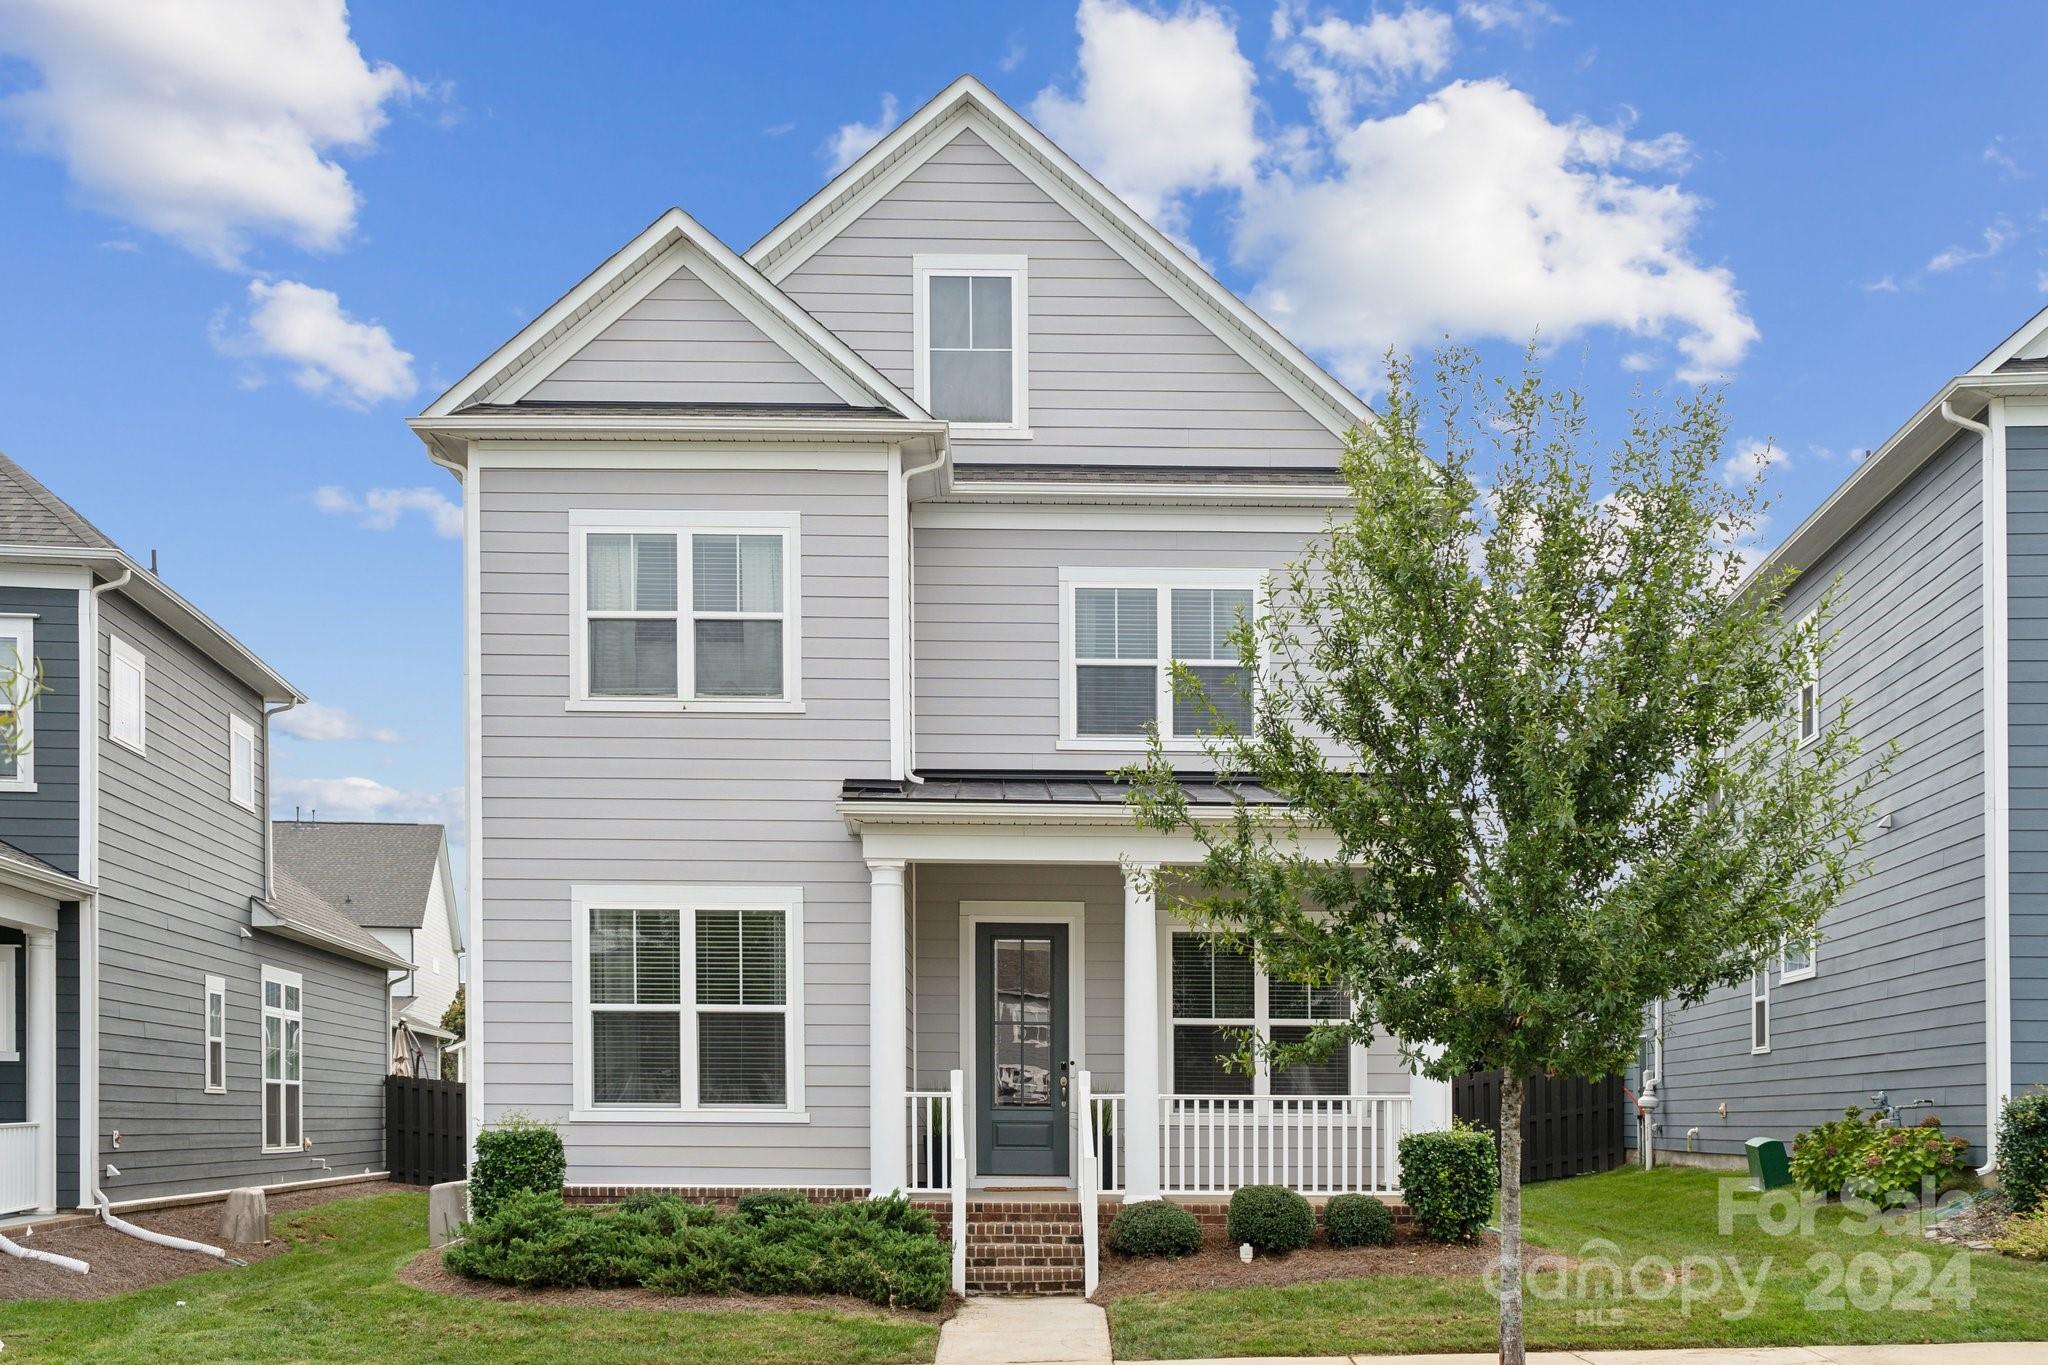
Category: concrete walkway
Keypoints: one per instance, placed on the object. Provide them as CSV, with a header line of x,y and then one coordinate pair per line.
x,y
1070,1331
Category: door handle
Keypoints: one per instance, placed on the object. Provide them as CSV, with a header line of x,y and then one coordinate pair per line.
x,y
1066,1071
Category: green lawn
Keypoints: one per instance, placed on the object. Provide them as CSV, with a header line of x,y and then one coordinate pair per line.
x,y
1882,1291
334,1297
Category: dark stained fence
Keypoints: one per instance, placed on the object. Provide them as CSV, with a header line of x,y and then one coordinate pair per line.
x,y
424,1125
1569,1127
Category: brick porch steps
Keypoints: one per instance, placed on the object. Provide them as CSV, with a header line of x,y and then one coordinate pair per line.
x,y
1017,1246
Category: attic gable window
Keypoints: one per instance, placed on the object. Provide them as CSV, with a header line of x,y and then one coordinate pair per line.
x,y
971,342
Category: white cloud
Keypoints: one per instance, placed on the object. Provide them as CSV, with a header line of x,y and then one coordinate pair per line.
x,y
1340,64
1014,53
779,129
845,146
1473,214
319,723
1637,362
379,509
209,121
365,798
1996,237
1883,284
1750,462
1997,156
1523,16
334,355
1164,106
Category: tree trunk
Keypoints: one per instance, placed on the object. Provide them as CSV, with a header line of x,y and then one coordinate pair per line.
x,y
1511,1352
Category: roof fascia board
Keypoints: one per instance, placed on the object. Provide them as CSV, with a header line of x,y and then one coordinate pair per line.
x,y
1234,494
38,881
2029,331
265,920
1089,815
541,426
967,103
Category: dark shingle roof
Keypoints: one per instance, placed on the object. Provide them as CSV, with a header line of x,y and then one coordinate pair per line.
x,y
299,908
1048,789
377,872
2018,363
30,514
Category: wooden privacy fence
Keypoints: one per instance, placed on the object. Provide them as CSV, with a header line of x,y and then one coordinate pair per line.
x,y
424,1126
1569,1127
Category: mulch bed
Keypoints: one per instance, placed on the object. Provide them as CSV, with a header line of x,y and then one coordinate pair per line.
x,y
1216,1265
426,1272
121,1263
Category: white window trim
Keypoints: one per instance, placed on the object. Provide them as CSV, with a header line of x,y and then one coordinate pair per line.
x,y
1787,972
10,963
686,900
239,728
1760,993
120,652
283,978
924,266
1262,1022
217,988
583,523
1809,681
1164,581
22,630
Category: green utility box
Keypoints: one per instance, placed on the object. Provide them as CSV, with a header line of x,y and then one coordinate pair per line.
x,y
1769,1167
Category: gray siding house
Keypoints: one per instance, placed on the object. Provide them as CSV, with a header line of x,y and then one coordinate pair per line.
x,y
172,1020
1929,982
812,596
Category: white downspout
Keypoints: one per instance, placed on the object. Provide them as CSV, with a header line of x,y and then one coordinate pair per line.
x,y
11,1248
1997,774
910,621
89,909
263,809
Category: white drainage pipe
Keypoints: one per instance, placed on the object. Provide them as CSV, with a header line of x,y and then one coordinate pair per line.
x,y
162,1239
70,1263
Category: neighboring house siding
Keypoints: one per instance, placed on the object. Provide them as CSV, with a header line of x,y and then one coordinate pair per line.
x,y
683,343
1898,1003
434,951
2026,455
987,608
44,822
179,862
578,797
1119,373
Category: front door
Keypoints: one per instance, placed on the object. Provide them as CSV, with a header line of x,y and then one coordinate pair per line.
x,y
1020,999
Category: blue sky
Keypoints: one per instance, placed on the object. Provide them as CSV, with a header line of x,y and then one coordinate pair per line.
x,y
239,242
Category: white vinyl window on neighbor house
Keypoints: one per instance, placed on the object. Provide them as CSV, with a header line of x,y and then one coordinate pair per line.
x,y
241,762
284,1030
17,686
971,335
1760,1010
127,686
1799,960
684,612
216,1035
1120,632
1807,705
1218,994
689,1002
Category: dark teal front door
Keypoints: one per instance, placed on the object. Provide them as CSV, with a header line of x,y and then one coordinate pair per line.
x,y
1020,1011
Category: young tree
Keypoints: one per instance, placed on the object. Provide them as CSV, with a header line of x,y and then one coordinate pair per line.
x,y
1552,740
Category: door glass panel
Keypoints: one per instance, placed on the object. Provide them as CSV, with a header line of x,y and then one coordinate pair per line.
x,y
1022,1023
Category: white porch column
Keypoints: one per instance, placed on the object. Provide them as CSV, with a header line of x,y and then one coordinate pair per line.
x,y
1429,1104
888,1027
1140,1138
39,1051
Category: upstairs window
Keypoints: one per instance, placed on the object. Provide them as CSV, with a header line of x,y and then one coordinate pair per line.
x,y
680,615
242,763
17,698
970,341
1799,960
127,682
1123,635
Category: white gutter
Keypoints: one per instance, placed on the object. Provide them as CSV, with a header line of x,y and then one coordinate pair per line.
x,y
910,618
1997,772
89,909
263,807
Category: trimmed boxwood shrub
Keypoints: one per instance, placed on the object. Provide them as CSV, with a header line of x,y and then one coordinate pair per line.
x,y
1357,1220
1153,1227
1272,1218
518,1154
1448,1180
2023,1150
758,1206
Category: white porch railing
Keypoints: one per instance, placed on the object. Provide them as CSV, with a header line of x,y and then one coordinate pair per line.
x,y
1106,1128
1213,1144
20,1158
1088,1180
929,1130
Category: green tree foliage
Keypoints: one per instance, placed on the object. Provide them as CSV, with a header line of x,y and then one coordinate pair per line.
x,y
1537,744
453,1017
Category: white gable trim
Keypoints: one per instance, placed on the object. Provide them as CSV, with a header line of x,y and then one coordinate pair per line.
x,y
2030,342
968,104
628,276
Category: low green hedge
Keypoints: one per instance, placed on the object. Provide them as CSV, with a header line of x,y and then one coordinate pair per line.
x,y
1448,1179
1153,1227
2023,1150
881,1250
519,1154
1357,1220
1272,1218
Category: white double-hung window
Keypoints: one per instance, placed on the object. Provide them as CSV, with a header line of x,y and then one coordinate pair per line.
x,y
284,1040
17,699
971,335
683,612
216,1035
689,1001
1121,632
1219,996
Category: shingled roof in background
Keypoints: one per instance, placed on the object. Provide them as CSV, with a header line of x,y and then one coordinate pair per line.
x,y
377,872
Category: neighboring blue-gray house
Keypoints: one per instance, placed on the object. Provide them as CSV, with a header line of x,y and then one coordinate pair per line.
x,y
172,1020
1930,979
